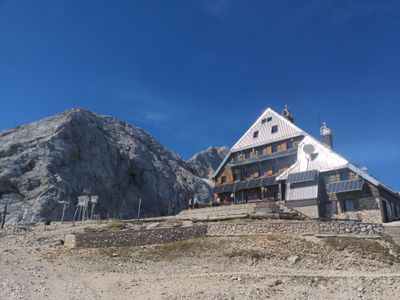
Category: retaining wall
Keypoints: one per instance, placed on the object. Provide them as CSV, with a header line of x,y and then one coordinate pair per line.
x,y
294,227
134,237
166,235
262,228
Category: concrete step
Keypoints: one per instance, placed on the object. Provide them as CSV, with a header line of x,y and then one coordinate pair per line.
x,y
266,207
290,210
393,231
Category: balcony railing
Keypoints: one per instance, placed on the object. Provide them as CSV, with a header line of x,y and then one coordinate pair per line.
x,y
262,157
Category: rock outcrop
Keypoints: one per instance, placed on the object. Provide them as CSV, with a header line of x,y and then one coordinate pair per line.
x,y
79,152
205,163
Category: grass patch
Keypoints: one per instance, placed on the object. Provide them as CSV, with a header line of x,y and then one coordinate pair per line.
x,y
393,245
183,246
115,226
247,253
358,245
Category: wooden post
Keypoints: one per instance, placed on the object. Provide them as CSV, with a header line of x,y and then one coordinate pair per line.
x,y
63,212
3,220
140,203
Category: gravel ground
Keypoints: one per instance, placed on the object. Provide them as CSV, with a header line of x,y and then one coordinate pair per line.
x,y
33,265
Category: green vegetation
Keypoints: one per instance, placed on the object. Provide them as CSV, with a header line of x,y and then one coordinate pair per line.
x,y
353,244
393,245
116,226
247,253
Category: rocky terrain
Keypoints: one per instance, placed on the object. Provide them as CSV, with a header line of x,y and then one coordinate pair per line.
x,y
205,163
79,152
35,265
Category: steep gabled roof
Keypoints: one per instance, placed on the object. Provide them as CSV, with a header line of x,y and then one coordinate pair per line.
x,y
326,160
286,129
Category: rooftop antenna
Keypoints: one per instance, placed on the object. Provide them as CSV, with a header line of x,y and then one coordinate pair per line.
x,y
287,114
327,134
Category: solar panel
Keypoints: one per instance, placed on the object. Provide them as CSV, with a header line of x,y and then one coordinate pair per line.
x,y
234,186
257,182
230,187
251,184
245,184
227,188
267,181
302,176
345,186
242,185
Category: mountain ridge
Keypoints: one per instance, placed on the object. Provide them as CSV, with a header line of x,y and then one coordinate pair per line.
x,y
60,157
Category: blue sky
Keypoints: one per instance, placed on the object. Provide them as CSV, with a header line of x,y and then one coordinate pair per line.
x,y
198,73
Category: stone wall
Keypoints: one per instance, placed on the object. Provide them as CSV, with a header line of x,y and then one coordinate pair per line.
x,y
261,228
166,235
349,227
134,237
369,211
223,210
294,227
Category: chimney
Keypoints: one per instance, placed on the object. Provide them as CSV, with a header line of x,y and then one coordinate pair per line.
x,y
287,114
326,134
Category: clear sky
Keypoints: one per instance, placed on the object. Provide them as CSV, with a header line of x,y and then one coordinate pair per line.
x,y
198,73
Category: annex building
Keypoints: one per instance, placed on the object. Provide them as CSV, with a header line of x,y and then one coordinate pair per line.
x,y
277,161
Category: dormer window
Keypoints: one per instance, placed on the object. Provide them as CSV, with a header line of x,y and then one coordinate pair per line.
x,y
255,134
274,129
265,120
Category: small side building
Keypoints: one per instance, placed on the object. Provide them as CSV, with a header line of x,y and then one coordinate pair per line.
x,y
277,161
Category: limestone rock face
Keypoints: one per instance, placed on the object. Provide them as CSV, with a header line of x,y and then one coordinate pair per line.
x,y
205,163
76,152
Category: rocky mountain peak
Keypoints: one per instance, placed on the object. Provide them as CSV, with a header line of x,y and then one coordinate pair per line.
x,y
205,163
58,158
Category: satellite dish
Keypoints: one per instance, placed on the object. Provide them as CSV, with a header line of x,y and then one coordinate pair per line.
x,y
309,149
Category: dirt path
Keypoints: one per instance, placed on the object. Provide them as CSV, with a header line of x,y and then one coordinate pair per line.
x,y
33,266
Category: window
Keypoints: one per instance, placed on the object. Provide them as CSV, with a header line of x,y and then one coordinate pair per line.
x,y
344,176
235,157
247,174
329,178
247,154
260,152
275,169
263,121
274,148
274,129
255,134
349,205
223,179
237,174
269,119
289,145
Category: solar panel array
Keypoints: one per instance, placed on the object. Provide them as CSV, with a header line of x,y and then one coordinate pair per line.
x,y
302,176
345,186
243,185
267,181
